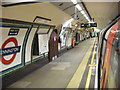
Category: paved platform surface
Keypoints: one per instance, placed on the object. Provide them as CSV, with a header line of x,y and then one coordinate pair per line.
x,y
58,73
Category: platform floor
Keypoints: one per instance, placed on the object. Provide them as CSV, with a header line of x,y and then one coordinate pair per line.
x,y
68,69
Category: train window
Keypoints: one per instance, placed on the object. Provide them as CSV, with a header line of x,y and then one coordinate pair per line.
x,y
103,53
107,33
115,56
104,47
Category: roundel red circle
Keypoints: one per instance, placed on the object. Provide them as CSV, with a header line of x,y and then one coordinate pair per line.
x,y
14,55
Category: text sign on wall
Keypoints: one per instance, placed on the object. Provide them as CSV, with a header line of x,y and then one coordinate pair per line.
x,y
13,31
9,51
88,25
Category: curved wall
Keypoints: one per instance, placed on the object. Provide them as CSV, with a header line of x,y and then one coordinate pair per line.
x,y
30,11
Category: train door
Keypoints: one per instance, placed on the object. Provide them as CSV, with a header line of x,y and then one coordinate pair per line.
x,y
81,36
77,38
40,47
53,46
63,40
69,40
73,39
36,45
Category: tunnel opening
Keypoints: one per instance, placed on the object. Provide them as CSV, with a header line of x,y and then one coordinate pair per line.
x,y
35,46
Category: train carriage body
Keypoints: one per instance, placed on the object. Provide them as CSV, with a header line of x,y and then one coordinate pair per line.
x,y
109,56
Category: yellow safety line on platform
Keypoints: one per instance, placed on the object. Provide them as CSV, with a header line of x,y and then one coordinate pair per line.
x,y
92,65
90,69
77,77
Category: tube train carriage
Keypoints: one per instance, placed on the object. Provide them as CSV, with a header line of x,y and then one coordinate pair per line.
x,y
109,55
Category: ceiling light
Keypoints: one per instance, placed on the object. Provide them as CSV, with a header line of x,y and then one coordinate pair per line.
x,y
85,15
78,7
74,1
82,12
88,20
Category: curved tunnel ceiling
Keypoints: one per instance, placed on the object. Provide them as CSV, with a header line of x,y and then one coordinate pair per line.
x,y
102,12
68,7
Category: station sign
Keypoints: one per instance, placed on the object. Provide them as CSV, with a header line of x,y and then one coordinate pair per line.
x,y
5,51
88,25
13,31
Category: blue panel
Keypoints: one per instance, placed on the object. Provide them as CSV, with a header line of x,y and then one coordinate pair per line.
x,y
9,51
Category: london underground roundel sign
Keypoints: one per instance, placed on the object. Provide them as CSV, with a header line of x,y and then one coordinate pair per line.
x,y
9,50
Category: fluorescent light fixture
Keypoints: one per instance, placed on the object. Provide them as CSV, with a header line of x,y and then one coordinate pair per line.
x,y
88,20
74,1
82,12
85,15
78,7
17,1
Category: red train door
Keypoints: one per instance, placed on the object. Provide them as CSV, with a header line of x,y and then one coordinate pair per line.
x,y
53,46
73,41
108,52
